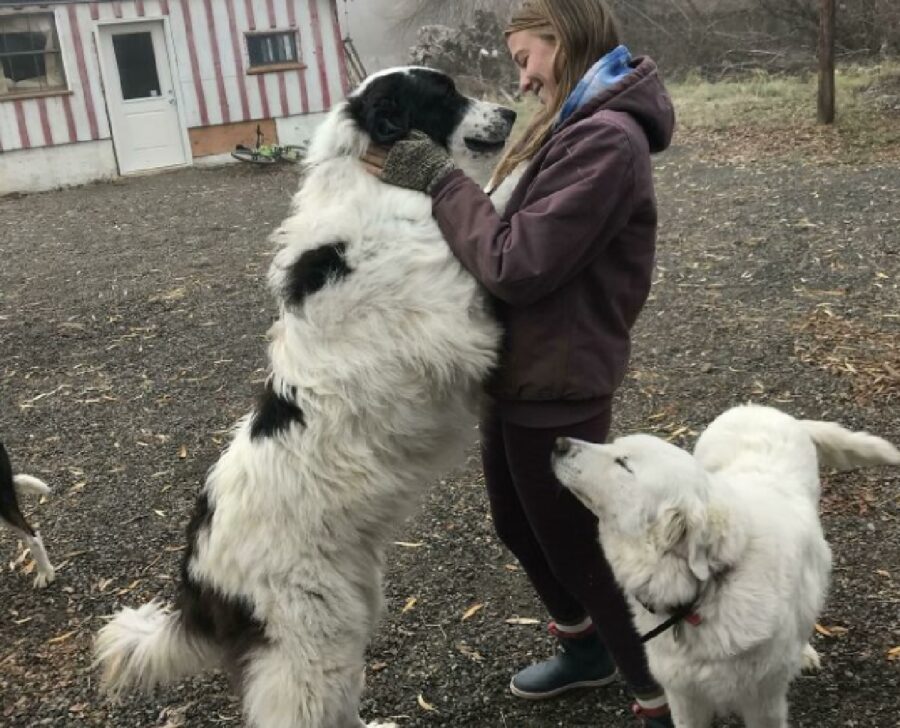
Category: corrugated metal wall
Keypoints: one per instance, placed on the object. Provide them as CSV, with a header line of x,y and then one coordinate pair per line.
x,y
210,61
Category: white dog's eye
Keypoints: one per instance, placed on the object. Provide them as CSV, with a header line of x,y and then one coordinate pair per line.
x,y
623,462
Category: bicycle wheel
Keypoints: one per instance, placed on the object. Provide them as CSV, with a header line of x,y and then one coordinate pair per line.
x,y
252,156
292,152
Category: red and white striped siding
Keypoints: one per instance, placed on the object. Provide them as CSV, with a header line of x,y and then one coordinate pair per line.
x,y
210,61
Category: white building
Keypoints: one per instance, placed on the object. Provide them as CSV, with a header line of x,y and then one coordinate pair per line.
x,y
94,89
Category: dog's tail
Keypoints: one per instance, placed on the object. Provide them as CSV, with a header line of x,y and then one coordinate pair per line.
x,y
844,449
146,647
30,484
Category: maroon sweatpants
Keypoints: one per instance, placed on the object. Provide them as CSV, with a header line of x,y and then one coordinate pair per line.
x,y
554,536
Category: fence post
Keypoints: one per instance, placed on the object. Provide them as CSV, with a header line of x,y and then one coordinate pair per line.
x,y
826,61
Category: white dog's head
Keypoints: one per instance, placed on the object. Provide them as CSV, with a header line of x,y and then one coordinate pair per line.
x,y
390,104
652,502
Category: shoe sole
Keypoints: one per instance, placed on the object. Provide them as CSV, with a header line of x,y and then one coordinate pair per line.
x,y
559,691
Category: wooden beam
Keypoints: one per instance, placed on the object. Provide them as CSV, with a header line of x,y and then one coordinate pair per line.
x,y
826,62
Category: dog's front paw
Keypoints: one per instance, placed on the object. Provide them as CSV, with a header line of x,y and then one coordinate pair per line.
x,y
44,578
811,663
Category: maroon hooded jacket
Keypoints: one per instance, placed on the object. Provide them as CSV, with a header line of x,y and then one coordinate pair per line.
x,y
570,260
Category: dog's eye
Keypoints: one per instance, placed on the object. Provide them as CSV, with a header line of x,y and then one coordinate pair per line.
x,y
623,463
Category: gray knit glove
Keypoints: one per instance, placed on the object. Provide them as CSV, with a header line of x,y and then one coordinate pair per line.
x,y
417,163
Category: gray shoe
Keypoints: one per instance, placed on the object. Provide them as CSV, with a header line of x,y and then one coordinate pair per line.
x,y
582,662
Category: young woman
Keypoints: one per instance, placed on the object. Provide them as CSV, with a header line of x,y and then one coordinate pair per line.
x,y
569,264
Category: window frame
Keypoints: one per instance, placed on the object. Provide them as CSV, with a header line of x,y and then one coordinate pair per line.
x,y
64,89
297,64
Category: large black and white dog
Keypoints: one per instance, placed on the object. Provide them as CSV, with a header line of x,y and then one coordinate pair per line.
x,y
377,360
13,518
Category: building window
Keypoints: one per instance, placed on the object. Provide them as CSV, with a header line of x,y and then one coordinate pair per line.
x,y
276,49
136,62
30,61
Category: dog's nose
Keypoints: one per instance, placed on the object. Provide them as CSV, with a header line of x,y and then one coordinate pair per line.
x,y
562,446
508,115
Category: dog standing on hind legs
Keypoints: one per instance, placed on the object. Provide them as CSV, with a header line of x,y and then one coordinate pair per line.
x,y
377,361
13,518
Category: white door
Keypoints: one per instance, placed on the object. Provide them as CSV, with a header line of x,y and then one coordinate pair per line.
x,y
143,108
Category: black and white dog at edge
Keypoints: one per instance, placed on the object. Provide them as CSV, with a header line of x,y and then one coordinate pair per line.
x,y
10,514
377,364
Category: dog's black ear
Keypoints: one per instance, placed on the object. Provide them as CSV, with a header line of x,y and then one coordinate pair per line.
x,y
387,120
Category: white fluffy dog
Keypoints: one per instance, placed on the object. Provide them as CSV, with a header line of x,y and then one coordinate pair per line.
x,y
726,544
377,362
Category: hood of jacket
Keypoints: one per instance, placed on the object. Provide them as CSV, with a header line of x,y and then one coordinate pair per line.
x,y
642,95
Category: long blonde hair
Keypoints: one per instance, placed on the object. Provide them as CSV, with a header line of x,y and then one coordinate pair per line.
x,y
583,31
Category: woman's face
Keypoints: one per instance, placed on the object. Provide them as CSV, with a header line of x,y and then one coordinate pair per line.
x,y
534,56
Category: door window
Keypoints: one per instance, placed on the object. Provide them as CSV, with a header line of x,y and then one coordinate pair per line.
x,y
137,65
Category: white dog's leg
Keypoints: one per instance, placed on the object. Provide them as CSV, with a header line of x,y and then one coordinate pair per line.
x,y
46,573
812,663
766,710
690,710
282,689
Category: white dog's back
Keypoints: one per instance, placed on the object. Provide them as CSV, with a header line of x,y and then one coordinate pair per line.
x,y
756,439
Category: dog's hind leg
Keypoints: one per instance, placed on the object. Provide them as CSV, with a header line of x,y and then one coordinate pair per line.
x,y
284,686
811,663
762,709
690,710
46,573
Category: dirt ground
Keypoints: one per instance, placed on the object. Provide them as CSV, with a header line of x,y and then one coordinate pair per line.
x,y
132,320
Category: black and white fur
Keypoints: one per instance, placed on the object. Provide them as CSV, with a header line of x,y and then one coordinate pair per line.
x,y
377,361
13,518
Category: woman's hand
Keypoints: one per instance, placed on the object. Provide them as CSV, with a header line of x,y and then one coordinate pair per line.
x,y
373,159
416,162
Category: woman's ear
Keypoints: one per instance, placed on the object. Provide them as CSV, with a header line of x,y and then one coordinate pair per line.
x,y
387,121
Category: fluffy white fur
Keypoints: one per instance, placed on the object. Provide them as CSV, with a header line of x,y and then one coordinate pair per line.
x,y
386,365
735,527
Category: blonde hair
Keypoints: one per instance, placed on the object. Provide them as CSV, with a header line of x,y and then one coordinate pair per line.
x,y
583,31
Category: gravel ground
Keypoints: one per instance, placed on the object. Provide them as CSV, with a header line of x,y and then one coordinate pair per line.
x,y
132,320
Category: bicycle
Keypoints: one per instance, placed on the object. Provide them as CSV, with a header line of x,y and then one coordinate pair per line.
x,y
268,153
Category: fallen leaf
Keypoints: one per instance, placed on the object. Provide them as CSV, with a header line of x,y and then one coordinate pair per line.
x,y
424,705
61,638
182,452
159,513
471,611
522,620
882,572
893,653
410,603
407,545
473,655
834,631
378,666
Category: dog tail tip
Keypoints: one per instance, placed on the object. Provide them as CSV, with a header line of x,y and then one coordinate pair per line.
x,y
844,449
30,484
140,649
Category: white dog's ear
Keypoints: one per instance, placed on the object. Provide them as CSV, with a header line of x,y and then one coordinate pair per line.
x,y
671,528
683,533
698,553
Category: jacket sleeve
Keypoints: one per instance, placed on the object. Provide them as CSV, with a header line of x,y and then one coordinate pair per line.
x,y
579,200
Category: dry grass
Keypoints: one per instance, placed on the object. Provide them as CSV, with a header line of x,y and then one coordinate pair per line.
x,y
764,116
